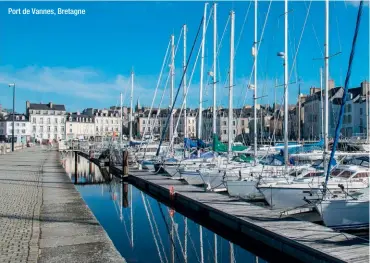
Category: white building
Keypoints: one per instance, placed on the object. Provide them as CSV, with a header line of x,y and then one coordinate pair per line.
x,y
155,124
22,128
241,118
80,126
47,120
107,121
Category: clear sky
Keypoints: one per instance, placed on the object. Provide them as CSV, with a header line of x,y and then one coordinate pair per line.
x,y
85,61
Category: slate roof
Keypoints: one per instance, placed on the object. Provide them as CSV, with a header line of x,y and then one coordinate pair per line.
x,y
10,117
40,106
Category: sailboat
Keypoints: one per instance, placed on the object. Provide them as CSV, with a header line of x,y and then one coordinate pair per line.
x,y
343,211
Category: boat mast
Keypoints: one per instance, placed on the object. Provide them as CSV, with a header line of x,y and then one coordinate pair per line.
x,y
326,64
254,53
231,82
286,85
184,72
200,113
120,130
214,66
322,105
131,106
172,82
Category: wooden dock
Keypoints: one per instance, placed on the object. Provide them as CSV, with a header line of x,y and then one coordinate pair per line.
x,y
259,230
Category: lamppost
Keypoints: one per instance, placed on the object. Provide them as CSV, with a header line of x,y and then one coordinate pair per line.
x,y
13,85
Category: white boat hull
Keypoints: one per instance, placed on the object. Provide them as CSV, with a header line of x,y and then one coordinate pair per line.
x,y
344,214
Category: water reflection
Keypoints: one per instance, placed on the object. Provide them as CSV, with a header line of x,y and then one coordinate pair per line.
x,y
143,229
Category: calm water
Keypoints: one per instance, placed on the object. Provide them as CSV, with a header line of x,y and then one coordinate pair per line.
x,y
145,230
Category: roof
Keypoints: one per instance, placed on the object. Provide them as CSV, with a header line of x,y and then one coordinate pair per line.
x,y
10,117
48,106
75,116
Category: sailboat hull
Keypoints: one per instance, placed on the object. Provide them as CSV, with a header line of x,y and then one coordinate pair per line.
x,y
344,214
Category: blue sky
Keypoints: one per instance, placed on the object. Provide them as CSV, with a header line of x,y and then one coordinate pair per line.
x,y
85,61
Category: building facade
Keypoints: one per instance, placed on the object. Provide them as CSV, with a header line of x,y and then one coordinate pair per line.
x,y
107,121
80,126
47,120
22,128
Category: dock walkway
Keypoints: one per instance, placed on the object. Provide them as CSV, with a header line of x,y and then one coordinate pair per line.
x,y
253,227
43,217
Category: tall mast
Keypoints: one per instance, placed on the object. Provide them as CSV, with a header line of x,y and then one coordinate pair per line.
x,y
231,82
322,105
172,82
184,81
131,106
201,74
286,84
254,52
120,122
214,66
326,64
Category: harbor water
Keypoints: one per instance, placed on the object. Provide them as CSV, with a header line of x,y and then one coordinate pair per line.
x,y
143,229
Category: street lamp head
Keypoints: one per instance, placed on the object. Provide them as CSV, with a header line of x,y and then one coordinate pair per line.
x,y
281,54
11,84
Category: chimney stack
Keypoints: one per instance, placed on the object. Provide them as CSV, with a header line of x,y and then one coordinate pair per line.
x,y
50,105
365,87
27,105
331,84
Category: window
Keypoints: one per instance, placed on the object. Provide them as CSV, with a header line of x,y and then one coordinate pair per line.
x,y
70,130
48,128
362,175
34,129
234,132
33,120
1,124
23,125
17,131
62,121
106,129
23,131
233,123
45,112
41,128
55,129
97,129
349,118
224,122
1,131
17,124
55,136
48,120
62,128
242,122
48,136
41,120
360,111
224,131
143,121
56,120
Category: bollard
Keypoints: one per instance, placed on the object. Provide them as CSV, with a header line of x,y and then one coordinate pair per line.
x,y
76,168
125,163
124,195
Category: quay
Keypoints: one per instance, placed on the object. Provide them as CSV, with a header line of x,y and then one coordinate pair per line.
x,y
260,230
43,217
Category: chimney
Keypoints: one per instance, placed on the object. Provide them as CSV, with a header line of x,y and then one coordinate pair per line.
x,y
50,105
27,105
331,84
365,88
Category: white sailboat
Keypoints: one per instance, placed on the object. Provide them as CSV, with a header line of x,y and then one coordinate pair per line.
x,y
345,212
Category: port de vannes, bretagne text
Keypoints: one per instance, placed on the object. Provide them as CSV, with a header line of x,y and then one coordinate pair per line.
x,y
36,11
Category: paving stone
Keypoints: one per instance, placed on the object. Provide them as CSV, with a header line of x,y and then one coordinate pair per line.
x,y
43,217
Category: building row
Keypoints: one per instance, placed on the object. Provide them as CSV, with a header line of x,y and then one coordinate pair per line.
x,y
306,120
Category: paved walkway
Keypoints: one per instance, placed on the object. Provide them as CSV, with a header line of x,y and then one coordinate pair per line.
x,y
43,217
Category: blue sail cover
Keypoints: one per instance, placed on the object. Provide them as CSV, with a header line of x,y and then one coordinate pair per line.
x,y
134,143
188,143
204,155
